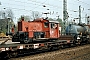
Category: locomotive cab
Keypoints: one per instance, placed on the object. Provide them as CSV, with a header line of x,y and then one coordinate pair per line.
x,y
54,29
37,30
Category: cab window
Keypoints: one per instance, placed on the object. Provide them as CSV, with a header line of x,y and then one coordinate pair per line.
x,y
46,24
53,25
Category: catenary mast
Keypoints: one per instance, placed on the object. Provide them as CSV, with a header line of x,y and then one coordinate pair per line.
x,y
65,14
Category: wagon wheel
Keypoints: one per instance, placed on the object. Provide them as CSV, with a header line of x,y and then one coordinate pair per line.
x,y
62,46
14,54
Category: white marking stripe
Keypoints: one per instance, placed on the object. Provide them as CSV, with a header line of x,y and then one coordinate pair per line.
x,y
2,49
21,47
7,48
36,46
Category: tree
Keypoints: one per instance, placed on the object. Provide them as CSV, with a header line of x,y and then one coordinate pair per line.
x,y
35,14
50,19
61,24
6,17
26,18
6,13
10,14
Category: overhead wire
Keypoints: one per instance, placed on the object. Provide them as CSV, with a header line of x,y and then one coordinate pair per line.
x,y
15,8
37,4
83,2
79,1
28,3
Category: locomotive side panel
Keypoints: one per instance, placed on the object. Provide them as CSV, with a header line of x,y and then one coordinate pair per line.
x,y
34,27
22,26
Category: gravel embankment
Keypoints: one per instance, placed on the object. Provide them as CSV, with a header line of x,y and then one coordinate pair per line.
x,y
75,53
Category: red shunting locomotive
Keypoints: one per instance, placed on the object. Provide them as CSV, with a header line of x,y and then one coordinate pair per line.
x,y
37,30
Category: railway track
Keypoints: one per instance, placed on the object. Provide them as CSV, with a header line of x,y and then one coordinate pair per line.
x,y
10,49
62,54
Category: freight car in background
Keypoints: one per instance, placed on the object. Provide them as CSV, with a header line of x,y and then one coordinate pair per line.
x,y
80,32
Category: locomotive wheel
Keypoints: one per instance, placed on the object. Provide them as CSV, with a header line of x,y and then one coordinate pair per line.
x,y
26,41
69,45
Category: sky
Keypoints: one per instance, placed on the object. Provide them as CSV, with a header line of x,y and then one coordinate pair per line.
x,y
25,7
